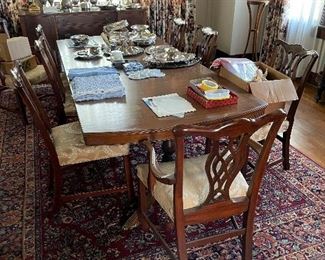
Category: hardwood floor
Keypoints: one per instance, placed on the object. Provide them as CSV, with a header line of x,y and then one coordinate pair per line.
x,y
308,134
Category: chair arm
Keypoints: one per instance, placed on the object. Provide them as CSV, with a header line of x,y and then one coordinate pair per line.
x,y
256,146
154,169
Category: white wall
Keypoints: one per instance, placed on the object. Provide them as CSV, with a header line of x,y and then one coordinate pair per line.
x,y
231,19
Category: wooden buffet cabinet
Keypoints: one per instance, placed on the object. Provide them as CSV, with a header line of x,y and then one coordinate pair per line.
x,y
63,25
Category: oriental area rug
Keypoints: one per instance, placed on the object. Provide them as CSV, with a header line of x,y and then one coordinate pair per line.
x,y
290,220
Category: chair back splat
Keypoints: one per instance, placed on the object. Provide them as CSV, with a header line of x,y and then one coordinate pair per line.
x,y
205,44
292,60
208,187
53,75
27,94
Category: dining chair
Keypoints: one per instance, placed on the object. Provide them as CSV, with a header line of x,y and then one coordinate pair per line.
x,y
205,44
65,103
67,148
40,33
209,187
296,62
177,34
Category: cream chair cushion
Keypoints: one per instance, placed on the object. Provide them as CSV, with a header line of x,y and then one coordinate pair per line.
x,y
195,184
69,105
36,75
71,148
262,133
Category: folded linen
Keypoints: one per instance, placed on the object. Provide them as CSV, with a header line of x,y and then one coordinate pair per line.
x,y
146,73
132,66
86,72
97,87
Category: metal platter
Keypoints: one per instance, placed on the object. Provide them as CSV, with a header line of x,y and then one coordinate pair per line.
x,y
131,50
87,55
174,65
170,56
143,38
159,49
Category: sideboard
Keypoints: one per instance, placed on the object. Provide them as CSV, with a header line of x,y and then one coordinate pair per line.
x,y
63,25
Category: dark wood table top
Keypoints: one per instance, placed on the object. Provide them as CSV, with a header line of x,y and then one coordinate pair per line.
x,y
129,120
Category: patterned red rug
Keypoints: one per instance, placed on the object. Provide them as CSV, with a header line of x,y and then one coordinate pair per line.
x,y
289,223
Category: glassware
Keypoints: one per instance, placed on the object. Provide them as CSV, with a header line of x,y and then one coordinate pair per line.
x,y
93,2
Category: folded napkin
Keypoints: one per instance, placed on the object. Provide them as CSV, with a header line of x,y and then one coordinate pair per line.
x,y
132,66
86,72
169,105
97,87
146,73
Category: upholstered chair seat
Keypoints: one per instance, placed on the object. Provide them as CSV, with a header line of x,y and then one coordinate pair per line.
x,y
195,184
262,133
71,148
36,75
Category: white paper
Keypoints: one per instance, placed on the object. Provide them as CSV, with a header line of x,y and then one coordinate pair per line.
x,y
169,105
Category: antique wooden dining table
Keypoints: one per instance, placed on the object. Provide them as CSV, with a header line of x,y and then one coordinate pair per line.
x,y
129,120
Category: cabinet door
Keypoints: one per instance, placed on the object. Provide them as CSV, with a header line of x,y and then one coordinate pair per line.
x,y
29,23
90,23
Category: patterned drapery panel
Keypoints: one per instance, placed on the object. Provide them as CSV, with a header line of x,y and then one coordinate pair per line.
x,y
162,12
276,25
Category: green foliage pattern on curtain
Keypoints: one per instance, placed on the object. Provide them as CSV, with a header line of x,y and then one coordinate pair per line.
x,y
162,12
276,25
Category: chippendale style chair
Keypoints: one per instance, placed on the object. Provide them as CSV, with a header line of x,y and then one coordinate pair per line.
x,y
289,59
62,93
208,187
177,34
205,44
66,146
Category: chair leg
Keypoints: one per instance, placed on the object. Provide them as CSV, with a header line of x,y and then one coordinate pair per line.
x,y
143,206
21,108
128,177
285,150
57,191
181,241
248,238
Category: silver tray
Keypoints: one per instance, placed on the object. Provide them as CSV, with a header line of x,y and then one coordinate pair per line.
x,y
87,55
159,49
127,52
143,38
131,51
174,65
170,57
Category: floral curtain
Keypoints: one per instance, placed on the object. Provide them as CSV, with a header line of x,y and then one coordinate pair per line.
x,y
162,12
276,27
9,12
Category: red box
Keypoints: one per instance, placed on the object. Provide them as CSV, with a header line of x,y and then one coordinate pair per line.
x,y
212,103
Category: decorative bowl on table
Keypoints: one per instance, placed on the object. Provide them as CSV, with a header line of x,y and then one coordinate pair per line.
x,y
140,27
79,39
